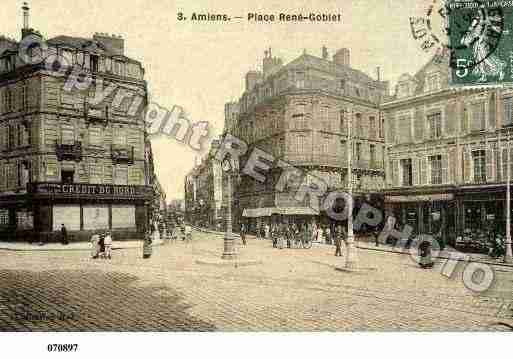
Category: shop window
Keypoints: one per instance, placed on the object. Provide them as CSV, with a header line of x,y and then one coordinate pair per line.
x,y
435,163
407,169
435,125
478,158
4,217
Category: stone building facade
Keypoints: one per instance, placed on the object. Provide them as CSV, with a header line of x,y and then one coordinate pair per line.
x,y
446,163
72,155
298,113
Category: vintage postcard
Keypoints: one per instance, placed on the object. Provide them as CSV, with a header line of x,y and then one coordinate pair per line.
x,y
278,166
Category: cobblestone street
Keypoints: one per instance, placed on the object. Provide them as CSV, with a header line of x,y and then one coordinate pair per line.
x,y
292,290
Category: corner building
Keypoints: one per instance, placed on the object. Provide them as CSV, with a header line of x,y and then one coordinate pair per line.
x,y
447,154
298,113
65,159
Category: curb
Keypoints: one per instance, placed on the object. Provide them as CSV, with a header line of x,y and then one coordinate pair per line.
x,y
501,264
42,249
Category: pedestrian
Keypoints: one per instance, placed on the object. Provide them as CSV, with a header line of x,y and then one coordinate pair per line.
x,y
339,237
243,233
108,245
101,246
147,246
307,234
64,235
187,232
281,235
95,245
274,235
258,230
327,238
267,230
425,254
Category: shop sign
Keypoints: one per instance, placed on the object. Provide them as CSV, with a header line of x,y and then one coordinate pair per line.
x,y
90,189
420,198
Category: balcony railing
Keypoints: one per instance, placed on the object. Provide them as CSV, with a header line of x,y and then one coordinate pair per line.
x,y
69,152
96,114
122,154
315,159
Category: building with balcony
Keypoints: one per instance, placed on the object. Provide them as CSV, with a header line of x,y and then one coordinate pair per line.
x,y
72,155
299,114
446,158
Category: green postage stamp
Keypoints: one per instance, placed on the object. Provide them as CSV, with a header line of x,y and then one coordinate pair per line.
x,y
480,41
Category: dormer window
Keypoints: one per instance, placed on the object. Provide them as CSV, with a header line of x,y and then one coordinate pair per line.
x,y
403,89
433,82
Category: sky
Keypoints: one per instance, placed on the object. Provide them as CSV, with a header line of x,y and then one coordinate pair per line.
x,y
201,65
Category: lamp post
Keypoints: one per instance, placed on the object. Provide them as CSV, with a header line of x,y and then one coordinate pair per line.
x,y
351,251
229,252
508,255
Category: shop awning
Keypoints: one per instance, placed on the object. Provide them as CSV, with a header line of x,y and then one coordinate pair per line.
x,y
268,211
420,198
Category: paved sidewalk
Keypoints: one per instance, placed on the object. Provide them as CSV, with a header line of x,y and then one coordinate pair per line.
x,y
77,246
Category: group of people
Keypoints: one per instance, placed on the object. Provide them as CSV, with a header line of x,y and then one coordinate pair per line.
x,y
101,245
283,234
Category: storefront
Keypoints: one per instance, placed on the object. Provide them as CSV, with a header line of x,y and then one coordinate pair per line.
x,y
82,208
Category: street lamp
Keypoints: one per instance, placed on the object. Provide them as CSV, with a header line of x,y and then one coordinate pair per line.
x,y
230,167
351,251
508,255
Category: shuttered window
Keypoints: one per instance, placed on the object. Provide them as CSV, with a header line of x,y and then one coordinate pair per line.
x,y
435,165
479,161
434,125
407,170
478,116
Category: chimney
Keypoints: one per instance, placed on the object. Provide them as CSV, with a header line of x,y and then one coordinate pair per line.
x,y
271,64
324,52
342,57
26,10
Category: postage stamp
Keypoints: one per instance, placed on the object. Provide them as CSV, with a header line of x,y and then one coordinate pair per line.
x,y
480,46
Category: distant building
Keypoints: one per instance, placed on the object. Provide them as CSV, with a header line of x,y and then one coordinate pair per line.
x,y
65,159
204,191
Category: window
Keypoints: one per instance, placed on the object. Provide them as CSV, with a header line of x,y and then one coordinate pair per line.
x,y
358,130
508,113
67,176
404,128
67,135
299,116
403,89
342,118
373,155
8,103
358,151
300,80
95,173
326,145
325,119
478,157
120,138
372,127
4,217
435,164
11,136
433,82
407,172
94,63
478,116
382,128
300,144
435,125
24,98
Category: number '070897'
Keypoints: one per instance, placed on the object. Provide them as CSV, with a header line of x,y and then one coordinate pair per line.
x,y
62,347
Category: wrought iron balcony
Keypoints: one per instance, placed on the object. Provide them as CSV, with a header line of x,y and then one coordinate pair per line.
x,y
122,154
69,152
96,114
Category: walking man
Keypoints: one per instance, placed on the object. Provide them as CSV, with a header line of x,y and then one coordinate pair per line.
x,y
243,233
339,235
108,245
64,235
